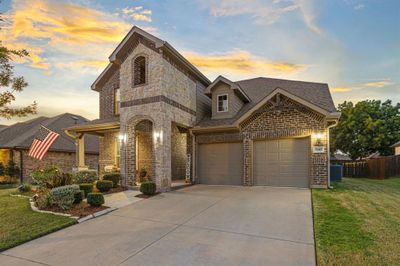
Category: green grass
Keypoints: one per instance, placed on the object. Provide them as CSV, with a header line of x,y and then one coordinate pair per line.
x,y
19,224
358,222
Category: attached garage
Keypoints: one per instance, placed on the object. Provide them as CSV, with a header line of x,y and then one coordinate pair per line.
x,y
282,162
220,163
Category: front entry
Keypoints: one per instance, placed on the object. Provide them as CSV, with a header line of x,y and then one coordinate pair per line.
x,y
282,162
220,164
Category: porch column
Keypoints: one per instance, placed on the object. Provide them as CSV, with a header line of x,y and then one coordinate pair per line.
x,y
162,150
80,152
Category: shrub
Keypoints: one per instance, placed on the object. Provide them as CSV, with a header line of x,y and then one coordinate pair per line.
x,y
104,185
64,196
44,177
79,196
85,177
45,200
62,179
95,199
25,187
114,177
148,188
86,187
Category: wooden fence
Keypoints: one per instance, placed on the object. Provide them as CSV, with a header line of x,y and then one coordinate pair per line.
x,y
378,168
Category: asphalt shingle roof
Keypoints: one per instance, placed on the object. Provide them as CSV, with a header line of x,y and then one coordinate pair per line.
x,y
21,135
259,88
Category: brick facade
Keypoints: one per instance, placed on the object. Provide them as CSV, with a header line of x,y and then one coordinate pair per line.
x,y
64,160
296,121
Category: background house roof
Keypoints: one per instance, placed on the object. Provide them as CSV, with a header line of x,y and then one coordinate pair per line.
x,y
21,135
394,145
259,88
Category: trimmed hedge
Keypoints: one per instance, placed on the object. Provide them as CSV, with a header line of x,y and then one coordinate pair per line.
x,y
86,187
95,199
79,196
148,188
64,196
104,185
114,177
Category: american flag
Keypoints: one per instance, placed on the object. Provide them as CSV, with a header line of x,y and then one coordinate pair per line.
x,y
42,142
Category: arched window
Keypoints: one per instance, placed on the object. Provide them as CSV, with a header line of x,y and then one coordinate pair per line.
x,y
139,71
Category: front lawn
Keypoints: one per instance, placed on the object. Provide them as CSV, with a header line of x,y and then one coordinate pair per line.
x,y
358,222
19,224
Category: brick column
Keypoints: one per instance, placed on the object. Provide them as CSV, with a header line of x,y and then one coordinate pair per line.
x,y
162,153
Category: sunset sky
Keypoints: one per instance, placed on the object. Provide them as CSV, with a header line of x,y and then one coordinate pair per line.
x,y
353,45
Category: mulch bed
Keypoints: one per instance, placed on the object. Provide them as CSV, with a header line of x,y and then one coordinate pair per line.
x,y
115,190
143,196
80,210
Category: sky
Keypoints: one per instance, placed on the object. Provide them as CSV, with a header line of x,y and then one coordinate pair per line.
x,y
353,45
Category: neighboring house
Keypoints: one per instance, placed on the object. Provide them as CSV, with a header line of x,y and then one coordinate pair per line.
x,y
396,147
158,112
15,141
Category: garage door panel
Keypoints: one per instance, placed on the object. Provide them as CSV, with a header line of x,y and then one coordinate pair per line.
x,y
286,161
220,163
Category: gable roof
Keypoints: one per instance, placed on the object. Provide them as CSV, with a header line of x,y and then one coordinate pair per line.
x,y
258,89
125,44
21,135
234,86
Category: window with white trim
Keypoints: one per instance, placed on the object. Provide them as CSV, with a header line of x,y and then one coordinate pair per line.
x,y
117,101
222,104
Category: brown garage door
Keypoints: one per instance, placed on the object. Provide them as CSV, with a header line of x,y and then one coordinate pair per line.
x,y
283,162
220,164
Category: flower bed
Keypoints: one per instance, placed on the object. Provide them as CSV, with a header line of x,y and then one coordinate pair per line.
x,y
77,210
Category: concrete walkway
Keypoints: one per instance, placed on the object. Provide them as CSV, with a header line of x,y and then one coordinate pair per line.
x,y
121,199
198,225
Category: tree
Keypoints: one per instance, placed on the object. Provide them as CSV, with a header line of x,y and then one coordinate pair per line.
x,y
366,127
9,84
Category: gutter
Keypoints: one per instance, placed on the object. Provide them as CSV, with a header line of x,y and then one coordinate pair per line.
x,y
329,152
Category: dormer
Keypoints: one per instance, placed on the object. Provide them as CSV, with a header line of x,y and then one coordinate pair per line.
x,y
227,98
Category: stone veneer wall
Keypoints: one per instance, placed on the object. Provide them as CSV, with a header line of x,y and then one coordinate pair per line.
x,y
106,96
297,122
64,160
178,153
178,106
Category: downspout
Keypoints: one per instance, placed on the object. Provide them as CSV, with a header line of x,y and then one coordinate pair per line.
x,y
329,152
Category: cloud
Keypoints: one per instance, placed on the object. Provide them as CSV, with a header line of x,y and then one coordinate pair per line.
x,y
264,12
373,84
377,84
359,6
138,13
242,63
89,64
59,30
341,89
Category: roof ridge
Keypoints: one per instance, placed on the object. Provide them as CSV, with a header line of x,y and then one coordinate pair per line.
x,y
291,80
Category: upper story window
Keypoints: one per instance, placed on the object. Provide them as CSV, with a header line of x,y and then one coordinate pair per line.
x,y
139,71
117,101
222,104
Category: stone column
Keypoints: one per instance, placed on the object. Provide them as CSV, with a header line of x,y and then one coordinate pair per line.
x,y
162,153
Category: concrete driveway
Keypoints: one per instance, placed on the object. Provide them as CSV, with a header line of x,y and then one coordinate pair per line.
x,y
198,225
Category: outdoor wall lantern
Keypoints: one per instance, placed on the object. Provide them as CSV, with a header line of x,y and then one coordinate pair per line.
x,y
122,138
318,138
158,136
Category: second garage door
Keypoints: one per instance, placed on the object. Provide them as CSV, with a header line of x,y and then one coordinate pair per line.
x,y
283,162
220,164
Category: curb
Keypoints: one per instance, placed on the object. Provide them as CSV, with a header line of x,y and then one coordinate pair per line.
x,y
95,215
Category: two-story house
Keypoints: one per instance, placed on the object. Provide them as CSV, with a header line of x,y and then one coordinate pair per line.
x,y
159,113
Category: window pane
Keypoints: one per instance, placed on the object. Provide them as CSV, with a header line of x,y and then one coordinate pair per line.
x,y
116,101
